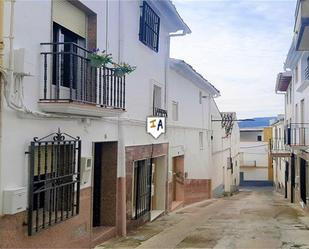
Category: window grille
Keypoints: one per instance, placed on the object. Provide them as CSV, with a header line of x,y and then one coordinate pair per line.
x,y
149,27
54,180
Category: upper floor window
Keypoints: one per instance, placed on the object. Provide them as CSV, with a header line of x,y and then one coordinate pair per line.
x,y
296,74
175,110
149,27
157,96
157,102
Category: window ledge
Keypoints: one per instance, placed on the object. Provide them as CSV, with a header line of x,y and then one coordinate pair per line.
x,y
73,108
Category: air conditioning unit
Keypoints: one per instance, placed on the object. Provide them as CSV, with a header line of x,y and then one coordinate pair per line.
x,y
85,169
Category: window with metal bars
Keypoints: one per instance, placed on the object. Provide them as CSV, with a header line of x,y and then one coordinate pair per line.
x,y
149,27
54,180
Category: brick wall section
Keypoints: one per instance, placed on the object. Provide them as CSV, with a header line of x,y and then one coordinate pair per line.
x,y
134,153
73,233
92,32
109,184
197,190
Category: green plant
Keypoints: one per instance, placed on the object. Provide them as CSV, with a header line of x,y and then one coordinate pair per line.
x,y
123,68
99,60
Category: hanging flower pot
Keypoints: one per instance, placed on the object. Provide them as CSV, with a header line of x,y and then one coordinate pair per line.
x,y
122,69
119,72
99,60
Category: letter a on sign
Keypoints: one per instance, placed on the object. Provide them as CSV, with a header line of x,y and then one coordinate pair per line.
x,y
156,126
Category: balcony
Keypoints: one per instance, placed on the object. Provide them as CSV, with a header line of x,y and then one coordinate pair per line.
x,y
296,135
72,86
279,148
158,112
301,27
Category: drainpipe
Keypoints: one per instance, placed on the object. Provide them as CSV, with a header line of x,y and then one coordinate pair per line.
x,y
1,85
122,220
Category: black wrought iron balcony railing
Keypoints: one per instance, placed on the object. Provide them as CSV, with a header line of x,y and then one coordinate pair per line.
x,y
70,77
296,135
158,112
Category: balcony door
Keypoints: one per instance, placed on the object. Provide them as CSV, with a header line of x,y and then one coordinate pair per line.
x,y
65,62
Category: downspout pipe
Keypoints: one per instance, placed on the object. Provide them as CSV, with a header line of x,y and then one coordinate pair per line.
x,y
1,86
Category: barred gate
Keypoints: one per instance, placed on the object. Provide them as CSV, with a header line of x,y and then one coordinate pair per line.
x,y
143,173
54,180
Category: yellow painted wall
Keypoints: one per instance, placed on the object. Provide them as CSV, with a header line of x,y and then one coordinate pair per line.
x,y
267,137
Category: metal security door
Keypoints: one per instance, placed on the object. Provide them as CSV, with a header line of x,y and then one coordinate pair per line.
x,y
143,187
286,179
292,177
303,180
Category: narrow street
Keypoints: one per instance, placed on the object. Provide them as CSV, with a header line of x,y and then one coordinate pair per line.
x,y
253,218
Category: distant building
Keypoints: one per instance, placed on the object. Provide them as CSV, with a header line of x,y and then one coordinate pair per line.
x,y
255,161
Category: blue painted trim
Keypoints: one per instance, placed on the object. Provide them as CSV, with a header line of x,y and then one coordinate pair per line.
x,y
304,22
254,183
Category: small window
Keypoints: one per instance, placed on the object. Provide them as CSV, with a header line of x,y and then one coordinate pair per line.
x,y
296,74
290,95
149,27
201,140
259,138
157,96
175,110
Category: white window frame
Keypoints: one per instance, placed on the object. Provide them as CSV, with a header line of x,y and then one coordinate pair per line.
x,y
175,110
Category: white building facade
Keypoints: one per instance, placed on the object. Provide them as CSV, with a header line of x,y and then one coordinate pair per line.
x,y
293,83
79,153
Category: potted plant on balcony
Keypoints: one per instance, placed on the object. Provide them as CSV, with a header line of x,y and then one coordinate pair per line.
x,y
122,69
99,59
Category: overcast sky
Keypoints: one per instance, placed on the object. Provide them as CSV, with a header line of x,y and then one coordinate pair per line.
x,y
239,46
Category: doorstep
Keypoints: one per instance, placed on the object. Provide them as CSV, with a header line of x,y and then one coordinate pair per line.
x,y
154,214
101,234
176,204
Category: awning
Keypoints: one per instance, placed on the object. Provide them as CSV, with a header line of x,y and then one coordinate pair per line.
x,y
283,81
